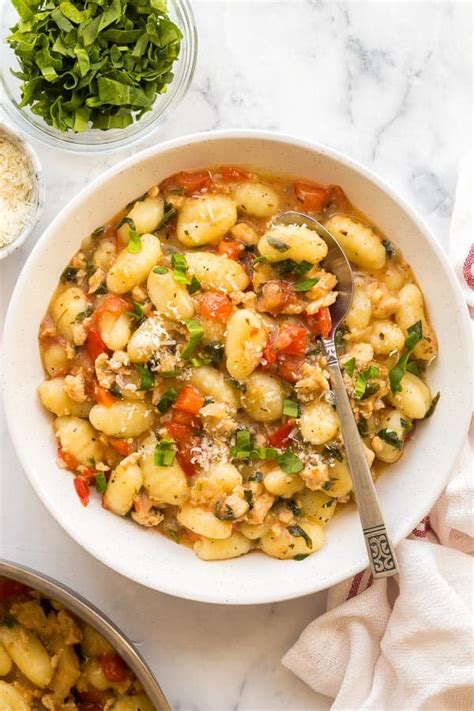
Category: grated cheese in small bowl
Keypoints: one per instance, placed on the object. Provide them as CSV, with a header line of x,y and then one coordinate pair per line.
x,y
20,191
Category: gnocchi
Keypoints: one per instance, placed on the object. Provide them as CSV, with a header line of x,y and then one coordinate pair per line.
x,y
56,660
185,375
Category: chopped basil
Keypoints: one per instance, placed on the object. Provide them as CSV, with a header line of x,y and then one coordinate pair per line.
x,y
278,244
248,493
291,408
244,448
195,285
339,337
116,393
98,231
362,426
412,367
433,405
299,532
237,384
170,373
264,453
259,260
100,482
211,353
390,437
169,212
349,366
164,453
289,462
137,313
305,284
389,250
371,372
180,266
300,556
359,387
415,334
256,476
196,333
294,508
147,380
161,270
69,274
289,266
134,240
102,289
331,450
362,388
223,513
8,620
84,314
169,397
370,390
328,504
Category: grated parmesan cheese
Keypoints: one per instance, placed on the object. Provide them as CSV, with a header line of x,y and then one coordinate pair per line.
x,y
16,185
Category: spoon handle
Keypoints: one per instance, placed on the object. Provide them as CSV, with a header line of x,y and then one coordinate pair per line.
x,y
382,558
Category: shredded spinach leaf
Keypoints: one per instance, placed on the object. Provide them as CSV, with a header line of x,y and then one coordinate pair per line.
x,y
299,532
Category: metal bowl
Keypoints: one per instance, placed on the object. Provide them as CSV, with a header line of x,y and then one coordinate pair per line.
x,y
94,617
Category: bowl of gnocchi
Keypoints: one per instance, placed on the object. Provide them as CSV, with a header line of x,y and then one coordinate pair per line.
x,y
57,651
163,358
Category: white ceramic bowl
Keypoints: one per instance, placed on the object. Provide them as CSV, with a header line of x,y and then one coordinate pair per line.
x,y
407,490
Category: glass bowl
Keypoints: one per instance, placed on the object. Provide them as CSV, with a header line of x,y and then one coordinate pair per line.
x,y
95,140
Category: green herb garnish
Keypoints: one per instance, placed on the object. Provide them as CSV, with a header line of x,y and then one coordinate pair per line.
x,y
363,427
291,408
300,556
305,284
289,462
349,366
169,212
389,250
69,274
147,380
167,400
134,240
331,450
164,453
99,64
98,231
278,244
100,482
180,266
170,373
390,437
299,532
196,333
259,260
160,270
84,314
415,334
433,405
256,476
8,620
194,285
362,388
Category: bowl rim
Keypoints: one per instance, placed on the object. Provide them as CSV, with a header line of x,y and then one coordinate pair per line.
x,y
38,190
53,138
94,617
458,436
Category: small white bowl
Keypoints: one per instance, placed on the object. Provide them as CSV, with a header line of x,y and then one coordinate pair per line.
x,y
407,490
37,193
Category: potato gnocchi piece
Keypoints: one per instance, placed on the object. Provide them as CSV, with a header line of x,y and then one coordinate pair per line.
x,y
115,330
245,341
286,546
170,298
295,242
410,312
254,531
203,522
5,661
28,653
125,418
65,309
146,216
56,400
11,699
340,481
93,644
132,268
164,484
317,506
319,422
55,359
232,547
214,271
279,483
212,382
123,486
263,398
392,422
105,253
360,243
385,337
414,398
204,220
137,702
79,439
226,476
360,311
256,199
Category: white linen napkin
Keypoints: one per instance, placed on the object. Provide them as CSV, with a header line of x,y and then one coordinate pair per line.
x,y
407,643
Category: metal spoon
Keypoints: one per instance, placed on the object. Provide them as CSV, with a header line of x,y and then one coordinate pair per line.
x,y
379,548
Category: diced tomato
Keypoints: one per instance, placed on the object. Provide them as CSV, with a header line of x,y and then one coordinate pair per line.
x,y
121,445
269,357
190,400
289,367
94,344
178,431
191,181
231,174
12,589
230,248
103,396
291,339
279,438
113,667
70,461
183,456
110,304
311,196
337,199
82,489
215,305
320,323
92,700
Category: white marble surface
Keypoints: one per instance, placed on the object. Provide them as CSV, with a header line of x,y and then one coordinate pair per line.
x,y
389,84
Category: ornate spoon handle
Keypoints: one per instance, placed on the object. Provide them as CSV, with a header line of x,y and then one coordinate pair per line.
x,y
379,548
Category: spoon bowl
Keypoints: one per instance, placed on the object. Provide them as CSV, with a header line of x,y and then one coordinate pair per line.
x,y
382,558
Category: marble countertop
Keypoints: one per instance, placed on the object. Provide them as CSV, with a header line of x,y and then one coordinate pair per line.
x,y
388,84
